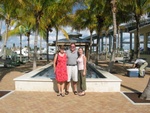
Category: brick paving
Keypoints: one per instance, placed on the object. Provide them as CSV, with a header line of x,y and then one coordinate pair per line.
x,y
92,102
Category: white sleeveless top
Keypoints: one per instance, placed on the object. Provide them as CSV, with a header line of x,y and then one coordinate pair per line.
x,y
80,63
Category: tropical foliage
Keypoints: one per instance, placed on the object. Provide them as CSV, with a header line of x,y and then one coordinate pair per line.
x,y
40,17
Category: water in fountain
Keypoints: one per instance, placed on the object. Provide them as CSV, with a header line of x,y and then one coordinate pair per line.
x,y
49,73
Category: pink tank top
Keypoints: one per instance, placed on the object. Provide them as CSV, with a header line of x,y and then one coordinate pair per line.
x,y
80,63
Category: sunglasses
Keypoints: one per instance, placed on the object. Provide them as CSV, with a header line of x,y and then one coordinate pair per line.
x,y
72,46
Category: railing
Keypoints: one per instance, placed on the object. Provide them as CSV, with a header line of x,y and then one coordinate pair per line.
x,y
132,26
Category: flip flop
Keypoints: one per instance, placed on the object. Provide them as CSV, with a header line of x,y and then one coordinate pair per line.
x,y
62,94
75,92
66,92
58,94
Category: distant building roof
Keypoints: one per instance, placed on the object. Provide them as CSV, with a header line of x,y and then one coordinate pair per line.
x,y
79,40
74,35
73,38
94,36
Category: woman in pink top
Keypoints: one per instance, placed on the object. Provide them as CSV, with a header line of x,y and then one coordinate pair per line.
x,y
81,72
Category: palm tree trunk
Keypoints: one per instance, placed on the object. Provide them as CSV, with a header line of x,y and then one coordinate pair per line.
x,y
112,59
28,47
99,18
20,47
137,52
118,39
3,51
40,47
90,43
118,45
97,49
35,47
0,29
56,39
47,35
106,49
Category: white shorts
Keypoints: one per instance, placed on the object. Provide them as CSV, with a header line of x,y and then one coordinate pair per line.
x,y
72,73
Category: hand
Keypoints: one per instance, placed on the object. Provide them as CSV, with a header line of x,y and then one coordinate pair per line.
x,y
84,73
54,70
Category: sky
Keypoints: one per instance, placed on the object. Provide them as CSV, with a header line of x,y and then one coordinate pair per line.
x,y
52,37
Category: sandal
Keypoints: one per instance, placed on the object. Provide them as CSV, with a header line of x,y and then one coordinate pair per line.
x,y
75,92
82,94
66,92
62,94
58,94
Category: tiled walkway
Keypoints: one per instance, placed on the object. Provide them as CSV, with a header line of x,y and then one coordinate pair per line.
x,y
48,102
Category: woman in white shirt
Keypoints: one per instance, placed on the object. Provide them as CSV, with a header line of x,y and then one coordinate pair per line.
x,y
81,61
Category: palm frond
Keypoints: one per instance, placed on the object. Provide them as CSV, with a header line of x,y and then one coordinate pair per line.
x,y
13,32
64,33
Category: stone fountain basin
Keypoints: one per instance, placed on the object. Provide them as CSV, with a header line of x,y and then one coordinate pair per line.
x,y
27,82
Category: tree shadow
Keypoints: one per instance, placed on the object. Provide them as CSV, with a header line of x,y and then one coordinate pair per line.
x,y
24,68
131,89
4,71
116,69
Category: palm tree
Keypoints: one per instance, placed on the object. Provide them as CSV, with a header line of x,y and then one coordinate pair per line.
x,y
8,13
55,17
91,17
137,8
0,29
107,24
21,30
125,18
28,32
42,34
37,9
114,10
24,24
85,18
62,17
45,28
100,12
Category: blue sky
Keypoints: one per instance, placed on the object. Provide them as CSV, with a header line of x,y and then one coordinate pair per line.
x,y
52,36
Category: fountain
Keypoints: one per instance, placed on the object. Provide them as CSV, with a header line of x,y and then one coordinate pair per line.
x,y
43,79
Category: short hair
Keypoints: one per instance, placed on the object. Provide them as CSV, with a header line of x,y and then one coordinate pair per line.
x,y
73,43
62,47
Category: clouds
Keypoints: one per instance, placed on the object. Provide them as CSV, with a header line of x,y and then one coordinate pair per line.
x,y
52,37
